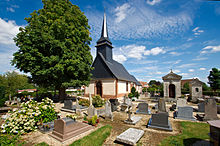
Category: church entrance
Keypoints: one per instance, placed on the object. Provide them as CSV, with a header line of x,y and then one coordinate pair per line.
x,y
99,88
172,91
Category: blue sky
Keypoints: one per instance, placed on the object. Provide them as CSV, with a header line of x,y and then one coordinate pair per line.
x,y
150,37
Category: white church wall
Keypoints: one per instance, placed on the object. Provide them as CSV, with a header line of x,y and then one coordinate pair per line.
x,y
90,88
108,87
122,87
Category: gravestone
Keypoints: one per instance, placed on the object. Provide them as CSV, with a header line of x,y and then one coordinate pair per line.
x,y
185,113
160,121
67,128
162,105
142,108
68,104
77,104
114,104
108,110
210,110
214,132
201,107
91,110
132,120
181,102
130,136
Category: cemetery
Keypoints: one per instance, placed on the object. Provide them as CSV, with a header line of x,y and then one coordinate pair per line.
x,y
76,100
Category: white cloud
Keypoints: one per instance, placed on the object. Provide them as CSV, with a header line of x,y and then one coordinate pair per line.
x,y
153,2
155,51
8,30
200,58
137,52
119,58
197,31
139,21
121,12
186,65
10,9
191,70
210,49
175,53
176,71
143,62
202,68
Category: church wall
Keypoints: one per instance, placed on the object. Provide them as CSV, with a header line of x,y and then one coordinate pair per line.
x,y
108,87
122,87
90,88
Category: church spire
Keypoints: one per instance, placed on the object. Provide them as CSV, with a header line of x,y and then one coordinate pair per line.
x,y
104,27
104,33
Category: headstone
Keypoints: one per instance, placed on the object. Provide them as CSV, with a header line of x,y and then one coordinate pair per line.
x,y
185,113
201,107
68,104
114,104
210,110
162,105
67,128
142,108
181,102
130,136
91,110
160,121
108,110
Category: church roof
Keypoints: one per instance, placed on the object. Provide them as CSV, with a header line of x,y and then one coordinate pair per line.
x,y
172,76
117,69
136,81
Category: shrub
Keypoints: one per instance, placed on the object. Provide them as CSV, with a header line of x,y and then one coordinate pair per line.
x,y
97,101
84,102
133,93
29,116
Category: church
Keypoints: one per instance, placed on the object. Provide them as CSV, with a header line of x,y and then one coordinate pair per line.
x,y
110,79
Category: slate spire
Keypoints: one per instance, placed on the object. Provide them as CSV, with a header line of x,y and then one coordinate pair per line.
x,y
104,33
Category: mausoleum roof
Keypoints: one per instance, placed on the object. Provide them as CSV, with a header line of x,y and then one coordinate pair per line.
x,y
172,76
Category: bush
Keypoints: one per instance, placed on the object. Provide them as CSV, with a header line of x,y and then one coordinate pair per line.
x,y
84,102
2,96
133,93
97,101
29,116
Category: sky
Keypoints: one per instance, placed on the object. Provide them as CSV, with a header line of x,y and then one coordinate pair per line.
x,y
150,37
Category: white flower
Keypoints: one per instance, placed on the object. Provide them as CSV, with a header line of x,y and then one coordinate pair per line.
x,y
3,131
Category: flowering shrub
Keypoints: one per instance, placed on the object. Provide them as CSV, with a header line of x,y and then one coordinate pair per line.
x,y
29,116
72,117
97,101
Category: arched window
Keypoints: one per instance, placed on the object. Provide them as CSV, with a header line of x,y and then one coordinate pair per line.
x,y
197,89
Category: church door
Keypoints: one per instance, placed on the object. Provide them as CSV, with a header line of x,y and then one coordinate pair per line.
x,y
172,91
99,88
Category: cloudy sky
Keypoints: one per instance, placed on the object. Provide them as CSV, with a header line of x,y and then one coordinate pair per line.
x,y
150,37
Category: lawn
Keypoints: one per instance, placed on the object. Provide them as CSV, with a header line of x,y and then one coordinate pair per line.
x,y
95,138
191,132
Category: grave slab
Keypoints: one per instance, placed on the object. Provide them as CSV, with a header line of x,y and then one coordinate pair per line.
x,y
134,120
130,136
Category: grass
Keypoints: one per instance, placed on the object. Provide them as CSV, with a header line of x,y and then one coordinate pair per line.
x,y
41,144
96,138
191,132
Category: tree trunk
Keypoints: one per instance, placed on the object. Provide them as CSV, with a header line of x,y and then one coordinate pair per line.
x,y
62,93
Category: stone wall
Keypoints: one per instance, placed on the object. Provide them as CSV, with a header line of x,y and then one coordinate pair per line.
x,y
195,92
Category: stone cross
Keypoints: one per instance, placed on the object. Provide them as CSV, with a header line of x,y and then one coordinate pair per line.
x,y
90,99
129,114
77,104
9,97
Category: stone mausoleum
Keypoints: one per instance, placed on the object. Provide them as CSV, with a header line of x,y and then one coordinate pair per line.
x,y
172,85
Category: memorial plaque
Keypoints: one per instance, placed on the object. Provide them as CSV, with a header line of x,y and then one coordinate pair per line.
x,y
185,113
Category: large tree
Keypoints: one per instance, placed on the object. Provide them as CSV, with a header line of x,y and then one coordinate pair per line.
x,y
214,79
54,46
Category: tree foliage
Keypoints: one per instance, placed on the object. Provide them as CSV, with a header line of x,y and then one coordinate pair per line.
x,y
214,79
186,86
54,46
13,81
